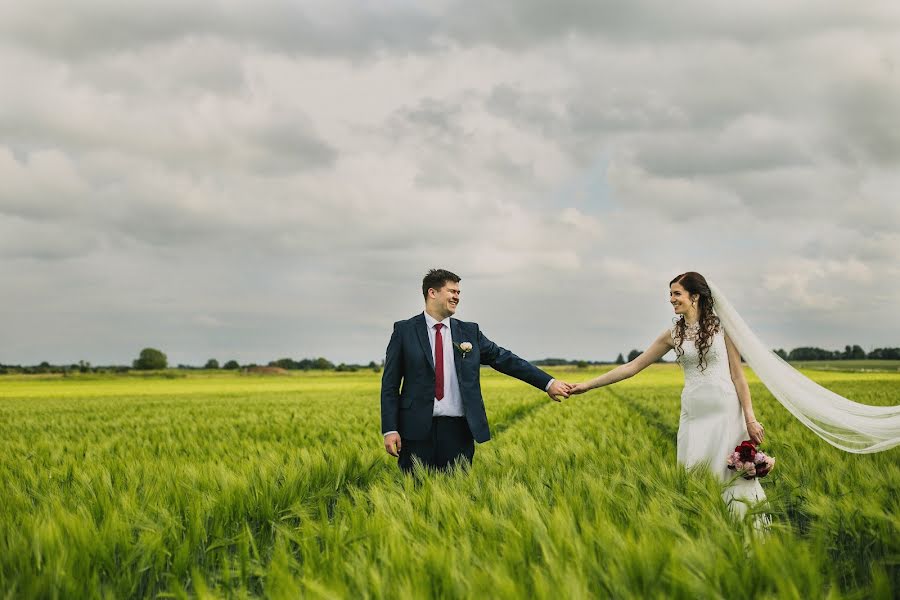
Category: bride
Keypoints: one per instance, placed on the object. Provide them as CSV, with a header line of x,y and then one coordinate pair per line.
x,y
709,340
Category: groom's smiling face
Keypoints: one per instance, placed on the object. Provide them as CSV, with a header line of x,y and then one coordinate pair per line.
x,y
445,299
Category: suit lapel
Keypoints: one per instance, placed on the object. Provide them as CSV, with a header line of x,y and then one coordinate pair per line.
x,y
422,334
457,340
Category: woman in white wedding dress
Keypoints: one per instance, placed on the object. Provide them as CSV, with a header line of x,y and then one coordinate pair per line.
x,y
716,409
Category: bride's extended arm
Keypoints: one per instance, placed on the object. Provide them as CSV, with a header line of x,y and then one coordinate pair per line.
x,y
754,429
656,351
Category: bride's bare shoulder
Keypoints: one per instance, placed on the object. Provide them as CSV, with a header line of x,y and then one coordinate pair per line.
x,y
667,337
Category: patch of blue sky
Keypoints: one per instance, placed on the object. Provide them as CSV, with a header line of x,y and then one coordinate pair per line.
x,y
588,190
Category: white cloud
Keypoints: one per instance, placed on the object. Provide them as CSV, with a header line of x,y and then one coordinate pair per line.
x,y
818,285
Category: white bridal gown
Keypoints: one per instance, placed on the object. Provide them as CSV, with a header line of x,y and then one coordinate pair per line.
x,y
712,422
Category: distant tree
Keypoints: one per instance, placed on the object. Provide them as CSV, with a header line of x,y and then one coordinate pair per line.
x,y
150,358
285,363
211,364
551,362
620,360
581,364
375,367
322,364
857,353
231,365
341,368
633,355
885,354
780,352
807,353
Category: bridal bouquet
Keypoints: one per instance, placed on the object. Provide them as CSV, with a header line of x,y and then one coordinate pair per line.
x,y
750,462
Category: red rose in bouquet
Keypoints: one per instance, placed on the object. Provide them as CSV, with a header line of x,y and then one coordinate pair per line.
x,y
750,462
746,450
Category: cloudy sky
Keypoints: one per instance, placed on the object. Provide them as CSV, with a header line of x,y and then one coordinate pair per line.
x,y
254,180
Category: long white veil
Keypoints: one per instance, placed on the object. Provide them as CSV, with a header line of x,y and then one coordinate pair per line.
x,y
845,424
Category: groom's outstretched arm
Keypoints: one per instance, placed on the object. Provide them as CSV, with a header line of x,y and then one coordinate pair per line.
x,y
391,379
508,363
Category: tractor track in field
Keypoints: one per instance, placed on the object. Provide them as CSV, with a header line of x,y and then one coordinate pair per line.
x,y
652,417
513,419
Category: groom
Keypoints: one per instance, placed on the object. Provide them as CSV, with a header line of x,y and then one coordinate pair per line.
x,y
439,413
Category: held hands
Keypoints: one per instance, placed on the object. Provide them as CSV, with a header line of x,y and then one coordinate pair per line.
x,y
558,388
578,388
392,444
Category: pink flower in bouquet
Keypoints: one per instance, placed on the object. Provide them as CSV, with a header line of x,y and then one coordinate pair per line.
x,y
763,467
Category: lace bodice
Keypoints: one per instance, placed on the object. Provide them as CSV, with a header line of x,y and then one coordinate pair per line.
x,y
716,360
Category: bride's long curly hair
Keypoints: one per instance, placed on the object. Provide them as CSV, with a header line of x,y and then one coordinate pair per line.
x,y
695,283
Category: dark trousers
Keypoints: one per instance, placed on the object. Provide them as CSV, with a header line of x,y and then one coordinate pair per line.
x,y
450,441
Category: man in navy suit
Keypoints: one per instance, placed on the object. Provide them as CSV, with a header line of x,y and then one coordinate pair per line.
x,y
438,413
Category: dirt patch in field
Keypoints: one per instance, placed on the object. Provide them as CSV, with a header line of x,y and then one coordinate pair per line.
x,y
265,371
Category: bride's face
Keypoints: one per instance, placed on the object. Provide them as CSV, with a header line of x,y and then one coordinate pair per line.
x,y
680,299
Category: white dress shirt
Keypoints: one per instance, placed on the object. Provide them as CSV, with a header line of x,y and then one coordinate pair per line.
x,y
451,405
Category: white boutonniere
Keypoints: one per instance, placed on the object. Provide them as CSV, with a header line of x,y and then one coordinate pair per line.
x,y
464,348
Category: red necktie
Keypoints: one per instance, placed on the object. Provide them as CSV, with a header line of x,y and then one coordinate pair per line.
x,y
438,362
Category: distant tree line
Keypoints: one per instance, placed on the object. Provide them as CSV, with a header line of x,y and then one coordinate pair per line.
x,y
583,364
848,353
320,364
563,362
153,359
807,353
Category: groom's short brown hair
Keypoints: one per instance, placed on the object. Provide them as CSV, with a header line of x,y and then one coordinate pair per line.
x,y
436,278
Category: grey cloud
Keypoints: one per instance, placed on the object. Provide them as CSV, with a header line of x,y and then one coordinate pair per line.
x,y
43,185
702,132
692,155
437,129
181,69
518,24
94,27
431,120
287,143
867,121
282,141
22,239
508,168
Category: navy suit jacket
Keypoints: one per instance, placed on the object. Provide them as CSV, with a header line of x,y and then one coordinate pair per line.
x,y
407,384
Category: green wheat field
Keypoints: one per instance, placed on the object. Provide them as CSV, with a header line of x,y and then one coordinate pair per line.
x,y
224,485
